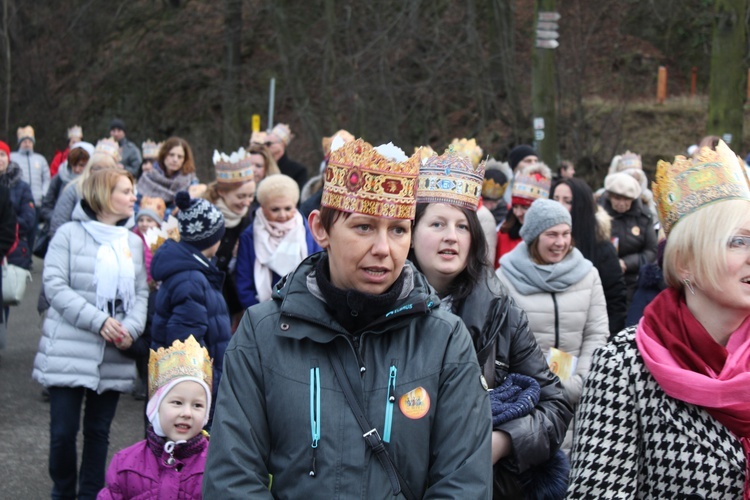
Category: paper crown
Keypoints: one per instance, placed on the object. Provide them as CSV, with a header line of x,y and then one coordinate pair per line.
x,y
283,132
495,180
75,131
450,178
469,148
528,186
424,152
258,138
108,146
688,184
181,359
233,169
153,203
150,150
629,160
343,134
26,132
360,179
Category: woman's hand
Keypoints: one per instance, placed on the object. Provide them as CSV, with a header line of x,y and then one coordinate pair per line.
x,y
113,331
125,342
501,445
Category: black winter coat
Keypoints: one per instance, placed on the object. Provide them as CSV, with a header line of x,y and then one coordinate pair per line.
x,y
500,331
636,237
23,206
613,284
295,170
224,256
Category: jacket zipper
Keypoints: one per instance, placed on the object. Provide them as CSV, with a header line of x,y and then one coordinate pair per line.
x,y
557,322
390,400
314,414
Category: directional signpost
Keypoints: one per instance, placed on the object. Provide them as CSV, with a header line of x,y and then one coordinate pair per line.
x,y
543,82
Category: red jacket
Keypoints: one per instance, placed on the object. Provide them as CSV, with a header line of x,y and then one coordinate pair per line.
x,y
504,245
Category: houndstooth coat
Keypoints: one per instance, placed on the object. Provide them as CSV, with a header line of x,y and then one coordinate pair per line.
x,y
633,441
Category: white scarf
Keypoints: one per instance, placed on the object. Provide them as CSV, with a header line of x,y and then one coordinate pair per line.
x,y
114,273
231,219
279,248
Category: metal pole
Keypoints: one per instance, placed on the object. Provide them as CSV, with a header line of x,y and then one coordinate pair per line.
x,y
271,98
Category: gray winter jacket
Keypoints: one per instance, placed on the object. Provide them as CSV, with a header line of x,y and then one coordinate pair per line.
x,y
72,353
35,171
131,157
277,375
64,207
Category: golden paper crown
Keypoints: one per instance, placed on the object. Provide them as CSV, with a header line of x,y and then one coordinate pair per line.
x,y
110,147
450,178
258,138
424,152
150,150
26,132
181,359
469,148
283,132
343,134
359,179
75,131
154,203
235,169
687,184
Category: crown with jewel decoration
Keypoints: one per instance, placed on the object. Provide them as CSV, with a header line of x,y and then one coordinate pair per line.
x,y
75,131
371,181
110,147
468,148
450,178
150,150
181,359
688,184
629,160
235,169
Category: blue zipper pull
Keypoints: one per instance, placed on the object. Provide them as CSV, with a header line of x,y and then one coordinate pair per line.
x,y
314,414
390,400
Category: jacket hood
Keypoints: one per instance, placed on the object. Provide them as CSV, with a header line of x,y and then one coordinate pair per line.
x,y
11,176
300,298
172,258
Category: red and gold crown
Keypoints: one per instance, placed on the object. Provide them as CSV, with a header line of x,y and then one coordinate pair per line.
x,y
233,169
687,184
530,185
359,179
150,150
450,178
75,131
110,147
469,148
181,359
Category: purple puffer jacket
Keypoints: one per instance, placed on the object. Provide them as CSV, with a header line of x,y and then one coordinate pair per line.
x,y
138,473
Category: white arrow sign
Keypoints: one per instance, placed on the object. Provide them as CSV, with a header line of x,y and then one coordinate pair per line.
x,y
541,25
549,16
547,35
547,44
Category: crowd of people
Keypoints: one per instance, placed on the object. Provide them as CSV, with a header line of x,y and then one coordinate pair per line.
x,y
429,326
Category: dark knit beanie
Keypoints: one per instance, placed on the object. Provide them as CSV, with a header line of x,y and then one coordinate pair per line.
x,y
519,153
201,223
117,123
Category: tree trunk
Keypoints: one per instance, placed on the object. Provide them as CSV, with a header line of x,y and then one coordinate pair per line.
x,y
8,67
728,82
543,95
231,109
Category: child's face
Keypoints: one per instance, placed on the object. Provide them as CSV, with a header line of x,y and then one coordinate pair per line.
x,y
279,209
183,410
145,223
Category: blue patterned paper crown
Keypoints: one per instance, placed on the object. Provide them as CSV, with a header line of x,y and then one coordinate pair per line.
x,y
450,178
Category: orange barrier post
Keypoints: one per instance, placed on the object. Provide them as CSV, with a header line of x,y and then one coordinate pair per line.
x,y
661,85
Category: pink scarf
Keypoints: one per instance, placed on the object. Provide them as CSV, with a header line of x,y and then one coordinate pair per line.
x,y
691,366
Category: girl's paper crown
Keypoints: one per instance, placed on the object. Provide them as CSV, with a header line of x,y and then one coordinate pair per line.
x,y
233,169
182,359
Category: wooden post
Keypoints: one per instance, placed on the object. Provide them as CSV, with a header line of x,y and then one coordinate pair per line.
x,y
693,80
661,85
748,84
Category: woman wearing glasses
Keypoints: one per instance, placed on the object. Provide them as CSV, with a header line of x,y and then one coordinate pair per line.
x,y
665,410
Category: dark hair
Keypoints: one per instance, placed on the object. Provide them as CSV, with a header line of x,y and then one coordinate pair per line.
x,y
330,215
188,167
476,261
583,209
76,156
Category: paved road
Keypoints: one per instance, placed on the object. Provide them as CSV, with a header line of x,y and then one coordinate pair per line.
x,y
24,416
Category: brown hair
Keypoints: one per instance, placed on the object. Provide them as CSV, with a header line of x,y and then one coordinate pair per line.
x,y
260,149
76,156
328,216
188,166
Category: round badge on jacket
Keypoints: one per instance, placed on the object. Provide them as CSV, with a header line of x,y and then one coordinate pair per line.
x,y
636,231
415,404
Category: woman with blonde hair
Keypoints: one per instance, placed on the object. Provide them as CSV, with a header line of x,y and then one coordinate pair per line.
x,y
95,278
665,411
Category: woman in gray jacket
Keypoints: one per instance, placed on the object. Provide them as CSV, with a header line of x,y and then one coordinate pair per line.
x,y
95,280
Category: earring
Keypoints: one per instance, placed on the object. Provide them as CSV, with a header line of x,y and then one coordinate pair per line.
x,y
689,285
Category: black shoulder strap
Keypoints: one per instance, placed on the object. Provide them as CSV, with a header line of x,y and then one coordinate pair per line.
x,y
370,433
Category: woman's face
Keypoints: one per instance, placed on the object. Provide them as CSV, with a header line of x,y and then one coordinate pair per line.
x,y
733,291
442,242
174,160
4,160
620,204
520,212
239,199
123,198
554,243
279,209
365,253
564,196
259,166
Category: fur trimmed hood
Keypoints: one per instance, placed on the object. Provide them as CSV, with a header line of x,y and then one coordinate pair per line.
x,y
604,224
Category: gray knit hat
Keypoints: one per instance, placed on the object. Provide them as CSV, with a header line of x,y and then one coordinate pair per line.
x,y
542,215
